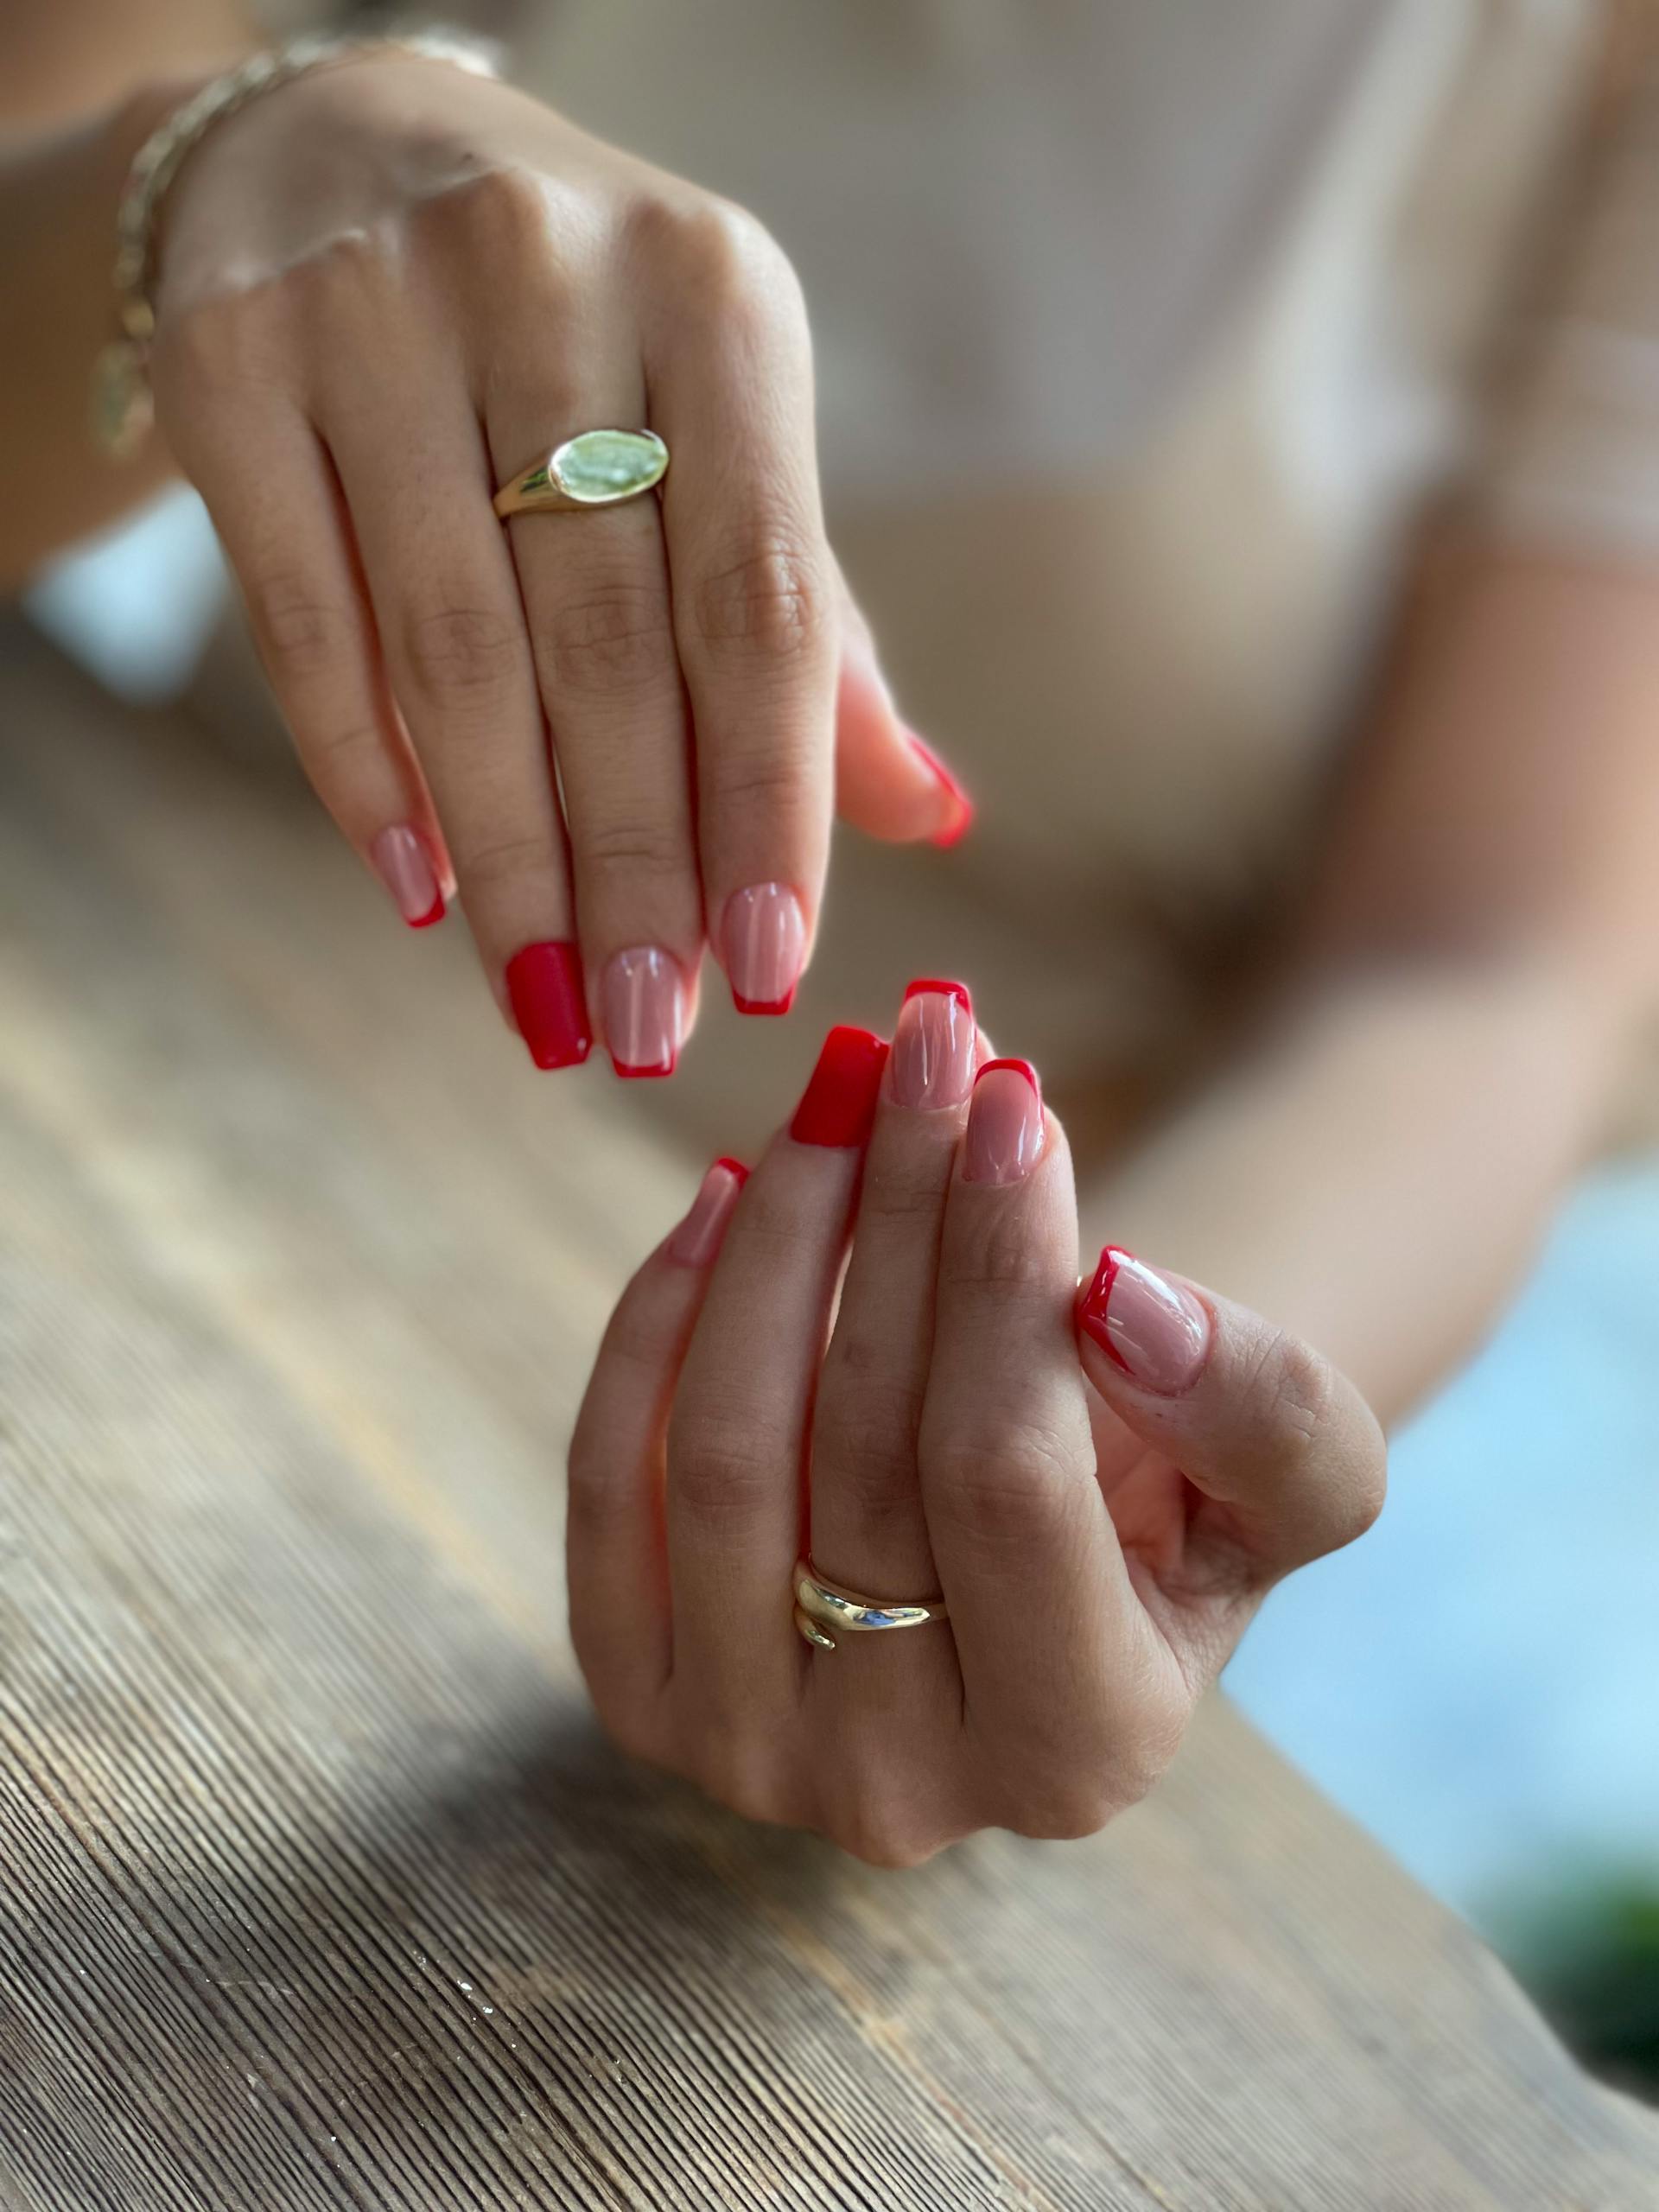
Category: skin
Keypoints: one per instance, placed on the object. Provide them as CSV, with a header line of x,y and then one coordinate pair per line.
x,y
1100,1548
383,290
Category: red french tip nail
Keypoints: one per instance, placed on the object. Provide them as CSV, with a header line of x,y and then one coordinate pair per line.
x,y
764,1005
549,1004
962,821
434,912
626,1074
733,1168
960,992
1020,1067
1091,1306
838,1105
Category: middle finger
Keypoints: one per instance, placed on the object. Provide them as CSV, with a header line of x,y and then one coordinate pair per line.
x,y
596,598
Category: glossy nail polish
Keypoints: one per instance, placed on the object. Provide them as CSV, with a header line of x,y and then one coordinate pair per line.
x,y
1004,1139
959,820
644,1001
698,1238
838,1104
763,944
933,1045
1155,1329
404,866
549,1003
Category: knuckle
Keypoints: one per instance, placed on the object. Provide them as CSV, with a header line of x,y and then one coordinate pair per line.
x,y
742,1774
497,863
494,221
302,636
725,253
867,1445
770,603
879,1839
775,783
331,753
632,847
616,641
455,653
998,1258
1065,1811
1000,1488
722,1469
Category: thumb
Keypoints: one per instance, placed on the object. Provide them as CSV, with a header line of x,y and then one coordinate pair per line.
x,y
1258,1422
887,783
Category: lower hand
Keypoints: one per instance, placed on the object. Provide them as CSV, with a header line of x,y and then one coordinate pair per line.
x,y
385,288
1102,1486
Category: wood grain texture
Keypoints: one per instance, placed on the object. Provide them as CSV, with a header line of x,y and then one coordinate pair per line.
x,y
317,1887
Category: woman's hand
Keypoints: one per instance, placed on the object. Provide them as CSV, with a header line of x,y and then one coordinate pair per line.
x,y
385,288
948,1440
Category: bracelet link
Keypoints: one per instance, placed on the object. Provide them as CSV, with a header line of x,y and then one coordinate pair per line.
x,y
122,412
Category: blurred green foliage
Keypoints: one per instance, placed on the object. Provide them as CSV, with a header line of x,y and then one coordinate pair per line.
x,y
1588,1953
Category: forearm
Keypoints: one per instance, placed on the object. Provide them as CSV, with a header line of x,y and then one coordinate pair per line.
x,y
62,163
1374,1166
1376,1171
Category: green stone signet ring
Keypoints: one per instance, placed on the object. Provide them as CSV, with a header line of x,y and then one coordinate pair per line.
x,y
596,468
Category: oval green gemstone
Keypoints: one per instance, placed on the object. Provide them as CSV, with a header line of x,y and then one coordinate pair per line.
x,y
600,466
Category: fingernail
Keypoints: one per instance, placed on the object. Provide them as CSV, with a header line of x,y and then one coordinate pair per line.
x,y
1155,1329
763,943
933,1045
1005,1123
644,1010
549,1003
838,1104
404,866
959,820
697,1239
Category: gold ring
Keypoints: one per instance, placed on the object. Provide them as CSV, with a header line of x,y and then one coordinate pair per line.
x,y
822,1605
596,468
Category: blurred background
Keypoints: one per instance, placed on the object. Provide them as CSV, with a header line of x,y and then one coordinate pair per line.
x,y
1155,346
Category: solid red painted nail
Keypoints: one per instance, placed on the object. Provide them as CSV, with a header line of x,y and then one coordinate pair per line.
x,y
549,1004
838,1105
960,820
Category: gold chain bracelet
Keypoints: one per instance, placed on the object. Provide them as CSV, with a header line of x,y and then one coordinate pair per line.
x,y
121,402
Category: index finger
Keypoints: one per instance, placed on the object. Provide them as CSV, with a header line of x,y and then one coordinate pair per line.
x,y
754,596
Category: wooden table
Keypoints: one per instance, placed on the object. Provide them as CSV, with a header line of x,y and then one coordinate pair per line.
x,y
319,1887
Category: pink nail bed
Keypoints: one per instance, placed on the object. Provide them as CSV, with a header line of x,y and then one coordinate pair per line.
x,y
763,944
960,810
698,1238
644,1005
404,866
1154,1329
1004,1140
932,1063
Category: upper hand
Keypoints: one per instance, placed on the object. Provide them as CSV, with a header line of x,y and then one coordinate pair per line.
x,y
1095,1582
384,289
